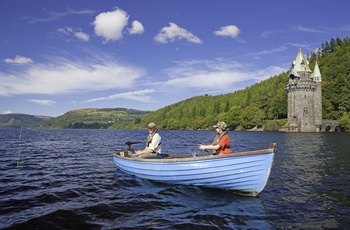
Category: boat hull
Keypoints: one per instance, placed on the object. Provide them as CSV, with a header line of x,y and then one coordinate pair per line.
x,y
244,173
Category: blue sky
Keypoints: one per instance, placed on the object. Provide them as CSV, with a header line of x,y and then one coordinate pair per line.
x,y
60,55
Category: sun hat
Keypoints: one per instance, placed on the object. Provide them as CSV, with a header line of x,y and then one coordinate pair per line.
x,y
151,125
222,125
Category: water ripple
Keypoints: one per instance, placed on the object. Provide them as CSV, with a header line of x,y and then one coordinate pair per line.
x,y
62,183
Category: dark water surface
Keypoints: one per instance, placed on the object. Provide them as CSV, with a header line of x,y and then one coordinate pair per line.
x,y
66,179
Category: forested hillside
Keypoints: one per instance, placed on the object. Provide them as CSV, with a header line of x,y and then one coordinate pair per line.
x,y
264,103
117,118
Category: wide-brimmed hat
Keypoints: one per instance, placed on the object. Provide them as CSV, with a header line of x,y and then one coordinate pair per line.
x,y
222,125
151,125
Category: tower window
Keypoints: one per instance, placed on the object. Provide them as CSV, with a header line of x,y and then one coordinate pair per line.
x,y
305,112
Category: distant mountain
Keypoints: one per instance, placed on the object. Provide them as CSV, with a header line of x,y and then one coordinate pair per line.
x,y
17,120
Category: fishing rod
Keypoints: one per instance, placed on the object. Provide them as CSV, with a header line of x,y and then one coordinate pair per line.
x,y
181,137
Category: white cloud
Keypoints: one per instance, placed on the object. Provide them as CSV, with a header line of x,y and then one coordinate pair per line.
x,y
140,95
136,28
269,33
53,16
63,76
76,33
299,27
228,31
82,36
219,74
65,30
307,29
209,80
266,52
110,25
173,33
18,60
43,102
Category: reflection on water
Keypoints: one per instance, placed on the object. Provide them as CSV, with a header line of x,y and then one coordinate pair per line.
x,y
68,179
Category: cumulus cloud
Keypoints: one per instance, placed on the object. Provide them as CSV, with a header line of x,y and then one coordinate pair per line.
x,y
63,76
136,28
82,36
228,31
76,33
19,60
173,32
110,25
43,102
140,95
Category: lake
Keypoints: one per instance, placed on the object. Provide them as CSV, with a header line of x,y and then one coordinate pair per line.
x,y
66,179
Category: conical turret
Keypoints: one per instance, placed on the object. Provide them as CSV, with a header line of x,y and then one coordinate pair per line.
x,y
317,73
300,63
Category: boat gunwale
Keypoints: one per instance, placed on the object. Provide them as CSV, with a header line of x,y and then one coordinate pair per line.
x,y
183,158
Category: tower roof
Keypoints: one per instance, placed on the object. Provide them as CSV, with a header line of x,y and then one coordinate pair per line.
x,y
300,63
317,73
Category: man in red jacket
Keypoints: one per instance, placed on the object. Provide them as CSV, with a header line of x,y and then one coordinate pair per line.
x,y
221,143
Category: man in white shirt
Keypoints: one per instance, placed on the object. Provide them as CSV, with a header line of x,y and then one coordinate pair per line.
x,y
153,143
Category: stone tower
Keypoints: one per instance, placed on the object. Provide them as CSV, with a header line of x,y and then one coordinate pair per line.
x,y
304,90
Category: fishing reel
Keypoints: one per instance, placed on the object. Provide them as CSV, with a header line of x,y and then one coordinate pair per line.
x,y
206,150
130,151
129,143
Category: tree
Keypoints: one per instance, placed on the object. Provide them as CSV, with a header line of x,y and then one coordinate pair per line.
x,y
248,116
344,121
234,117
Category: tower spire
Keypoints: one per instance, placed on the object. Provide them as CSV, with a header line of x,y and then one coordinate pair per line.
x,y
317,73
301,64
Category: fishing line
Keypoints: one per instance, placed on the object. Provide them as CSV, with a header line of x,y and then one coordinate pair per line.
x,y
20,146
61,136
206,151
180,137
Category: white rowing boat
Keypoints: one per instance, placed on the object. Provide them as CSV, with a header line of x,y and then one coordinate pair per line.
x,y
245,173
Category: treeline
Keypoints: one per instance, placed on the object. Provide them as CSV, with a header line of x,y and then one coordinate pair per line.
x,y
264,103
243,109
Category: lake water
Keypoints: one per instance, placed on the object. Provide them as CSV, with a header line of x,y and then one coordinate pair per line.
x,y
66,179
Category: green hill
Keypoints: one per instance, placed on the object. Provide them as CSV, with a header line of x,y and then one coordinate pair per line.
x,y
96,119
16,120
